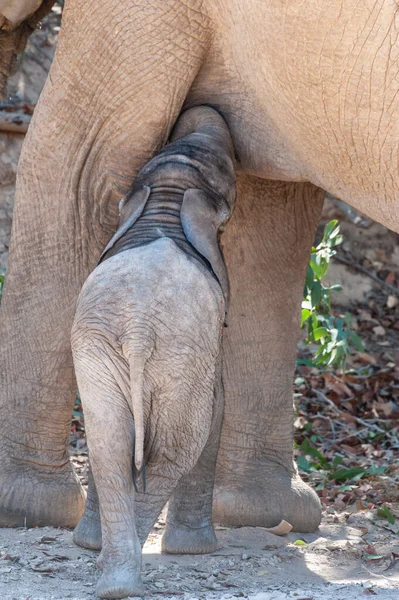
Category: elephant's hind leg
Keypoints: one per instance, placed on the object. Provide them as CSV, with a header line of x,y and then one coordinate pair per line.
x,y
87,533
189,528
267,246
110,434
77,162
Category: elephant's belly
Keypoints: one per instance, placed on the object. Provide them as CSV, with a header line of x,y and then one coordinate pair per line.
x,y
311,92
260,148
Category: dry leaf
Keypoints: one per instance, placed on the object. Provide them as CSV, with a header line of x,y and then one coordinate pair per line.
x,y
365,315
367,358
281,529
390,278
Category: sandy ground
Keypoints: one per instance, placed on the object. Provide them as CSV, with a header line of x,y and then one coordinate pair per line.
x,y
333,564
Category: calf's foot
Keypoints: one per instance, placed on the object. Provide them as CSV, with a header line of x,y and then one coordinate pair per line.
x,y
120,576
121,582
87,533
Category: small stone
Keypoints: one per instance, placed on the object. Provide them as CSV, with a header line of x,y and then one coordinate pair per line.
x,y
379,330
370,254
367,585
22,563
392,301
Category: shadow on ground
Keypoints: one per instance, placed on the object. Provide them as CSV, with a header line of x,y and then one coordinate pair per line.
x,y
44,564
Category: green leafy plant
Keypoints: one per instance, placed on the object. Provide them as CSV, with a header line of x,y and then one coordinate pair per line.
x,y
312,459
2,276
332,335
385,513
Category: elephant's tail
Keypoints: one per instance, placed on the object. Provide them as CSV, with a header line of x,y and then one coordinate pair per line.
x,y
137,398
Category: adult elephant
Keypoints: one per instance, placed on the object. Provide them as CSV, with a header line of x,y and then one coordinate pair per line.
x,y
310,93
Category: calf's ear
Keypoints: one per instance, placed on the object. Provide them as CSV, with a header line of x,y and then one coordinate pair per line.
x,y
130,208
201,220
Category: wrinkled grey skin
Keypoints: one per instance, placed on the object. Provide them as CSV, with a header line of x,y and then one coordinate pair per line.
x,y
146,342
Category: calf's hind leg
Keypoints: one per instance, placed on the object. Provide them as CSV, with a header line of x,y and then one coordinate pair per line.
x,y
189,528
87,532
110,435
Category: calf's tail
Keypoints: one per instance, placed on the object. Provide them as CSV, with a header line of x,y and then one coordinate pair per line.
x,y
137,406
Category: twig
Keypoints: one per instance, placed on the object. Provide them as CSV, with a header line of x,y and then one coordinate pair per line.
x,y
350,213
14,122
376,574
42,50
31,56
376,428
167,592
355,433
341,450
327,400
358,267
369,425
329,419
380,420
8,105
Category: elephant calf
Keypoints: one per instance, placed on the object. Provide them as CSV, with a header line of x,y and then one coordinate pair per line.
x,y
146,342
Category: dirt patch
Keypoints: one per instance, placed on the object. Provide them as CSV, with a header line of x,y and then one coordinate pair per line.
x,y
44,564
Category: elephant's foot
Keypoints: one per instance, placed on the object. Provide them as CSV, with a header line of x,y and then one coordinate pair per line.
x,y
119,578
33,499
264,496
182,539
119,582
87,533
